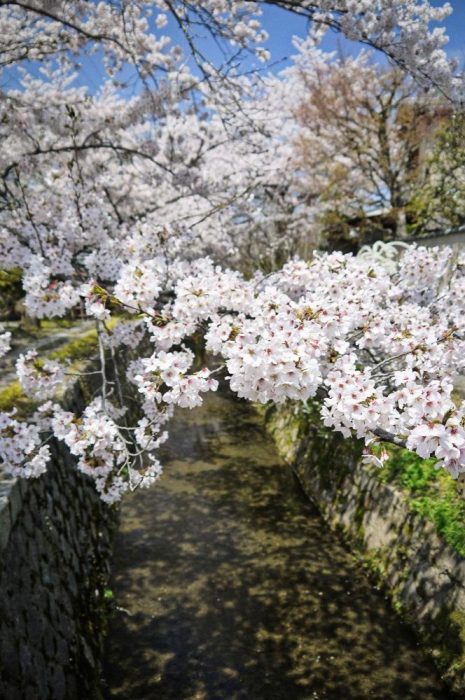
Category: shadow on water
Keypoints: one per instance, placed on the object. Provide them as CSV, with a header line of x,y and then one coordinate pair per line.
x,y
228,585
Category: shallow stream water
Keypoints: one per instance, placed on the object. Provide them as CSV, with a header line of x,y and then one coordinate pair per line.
x,y
228,585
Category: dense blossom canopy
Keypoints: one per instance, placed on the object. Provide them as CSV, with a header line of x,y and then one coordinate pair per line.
x,y
123,205
378,345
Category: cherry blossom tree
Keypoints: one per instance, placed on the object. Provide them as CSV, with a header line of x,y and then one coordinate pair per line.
x,y
32,29
366,138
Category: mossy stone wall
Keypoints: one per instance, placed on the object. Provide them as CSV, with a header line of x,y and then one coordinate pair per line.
x,y
423,575
55,547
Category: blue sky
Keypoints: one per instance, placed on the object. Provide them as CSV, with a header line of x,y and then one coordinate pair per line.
x,y
281,26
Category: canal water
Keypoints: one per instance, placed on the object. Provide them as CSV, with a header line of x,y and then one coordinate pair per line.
x,y
228,585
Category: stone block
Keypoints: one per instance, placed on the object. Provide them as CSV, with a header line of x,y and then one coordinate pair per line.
x,y
62,655
5,522
25,660
30,693
57,683
35,626
49,643
27,521
16,501
9,655
10,691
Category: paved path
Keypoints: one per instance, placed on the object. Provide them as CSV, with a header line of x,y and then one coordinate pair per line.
x,y
229,586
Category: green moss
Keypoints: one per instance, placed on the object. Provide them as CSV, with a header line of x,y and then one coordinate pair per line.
x,y
432,493
12,396
78,349
359,515
457,622
11,291
108,594
53,324
375,562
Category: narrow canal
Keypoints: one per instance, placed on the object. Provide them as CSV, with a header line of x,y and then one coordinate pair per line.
x,y
229,586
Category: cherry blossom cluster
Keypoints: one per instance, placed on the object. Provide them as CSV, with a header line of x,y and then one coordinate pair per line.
x,y
126,31
104,450
170,370
378,346
22,452
39,378
5,342
401,29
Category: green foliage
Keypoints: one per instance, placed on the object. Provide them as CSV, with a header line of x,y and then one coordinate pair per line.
x,y
11,291
108,594
12,396
432,493
441,200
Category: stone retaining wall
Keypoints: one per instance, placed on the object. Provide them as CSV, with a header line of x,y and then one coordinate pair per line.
x,y
424,577
55,545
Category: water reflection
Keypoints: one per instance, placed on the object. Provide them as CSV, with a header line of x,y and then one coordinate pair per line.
x,y
229,586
